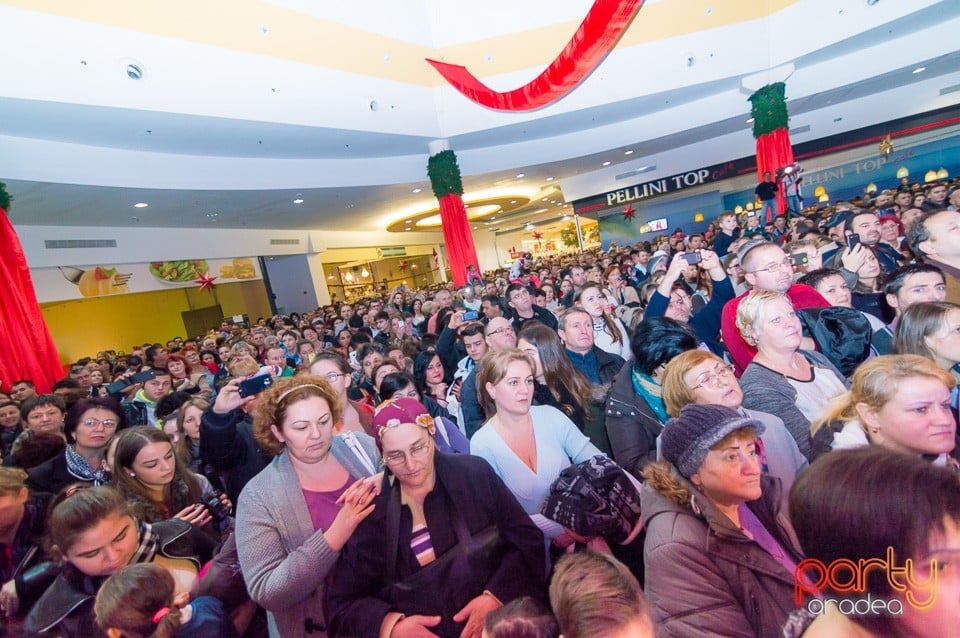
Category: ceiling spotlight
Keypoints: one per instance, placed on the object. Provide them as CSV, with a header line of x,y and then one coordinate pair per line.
x,y
549,179
628,152
141,205
298,201
513,201
750,120
521,175
417,190
409,221
919,69
529,226
607,163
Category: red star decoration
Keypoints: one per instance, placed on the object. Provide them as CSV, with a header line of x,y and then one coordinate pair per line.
x,y
205,281
629,212
403,266
537,235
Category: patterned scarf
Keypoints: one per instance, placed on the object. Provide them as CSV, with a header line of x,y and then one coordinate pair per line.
x,y
80,468
650,390
148,546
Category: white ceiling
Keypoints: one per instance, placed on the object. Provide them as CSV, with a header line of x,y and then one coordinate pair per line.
x,y
216,135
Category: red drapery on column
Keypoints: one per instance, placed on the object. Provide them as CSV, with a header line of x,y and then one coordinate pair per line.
x,y
458,237
444,173
770,129
27,350
774,151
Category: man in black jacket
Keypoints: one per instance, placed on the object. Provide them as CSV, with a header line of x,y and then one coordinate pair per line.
x,y
576,333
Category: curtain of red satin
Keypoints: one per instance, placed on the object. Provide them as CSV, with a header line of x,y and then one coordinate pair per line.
x,y
774,151
458,237
27,350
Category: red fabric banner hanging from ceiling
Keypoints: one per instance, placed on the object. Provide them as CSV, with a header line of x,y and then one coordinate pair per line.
x,y
27,350
458,237
774,151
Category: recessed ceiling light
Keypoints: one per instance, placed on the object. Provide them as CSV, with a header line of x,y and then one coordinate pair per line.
x,y
607,163
408,229
141,205
417,190
212,215
750,121
628,152
409,221
919,69
549,179
521,175
298,201
544,199
513,201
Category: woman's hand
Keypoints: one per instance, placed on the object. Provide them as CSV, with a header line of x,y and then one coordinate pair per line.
x,y
229,399
357,504
9,601
853,260
195,515
474,613
415,627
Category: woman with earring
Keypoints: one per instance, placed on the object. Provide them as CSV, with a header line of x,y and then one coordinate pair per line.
x,y
719,553
157,483
295,516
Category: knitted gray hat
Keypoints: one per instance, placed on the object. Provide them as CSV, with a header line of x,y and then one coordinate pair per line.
x,y
686,439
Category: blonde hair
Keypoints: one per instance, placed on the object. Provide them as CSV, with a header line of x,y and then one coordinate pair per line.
x,y
492,370
12,480
272,406
243,365
751,309
875,382
675,392
594,594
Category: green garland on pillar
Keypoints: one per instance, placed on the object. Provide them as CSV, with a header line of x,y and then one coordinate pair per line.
x,y
444,174
769,109
5,198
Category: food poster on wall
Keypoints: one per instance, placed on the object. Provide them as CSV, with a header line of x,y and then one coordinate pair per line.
x,y
99,280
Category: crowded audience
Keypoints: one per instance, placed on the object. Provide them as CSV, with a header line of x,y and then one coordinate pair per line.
x,y
771,397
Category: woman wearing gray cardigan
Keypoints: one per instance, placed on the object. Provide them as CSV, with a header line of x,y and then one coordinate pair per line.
x,y
794,384
295,516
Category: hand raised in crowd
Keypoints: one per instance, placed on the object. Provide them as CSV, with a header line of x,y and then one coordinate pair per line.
x,y
474,612
456,320
415,627
853,260
229,399
708,259
677,265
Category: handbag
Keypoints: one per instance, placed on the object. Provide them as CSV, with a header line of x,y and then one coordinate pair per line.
x,y
453,579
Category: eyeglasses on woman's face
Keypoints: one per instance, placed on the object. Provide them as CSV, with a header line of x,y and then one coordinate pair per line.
x,y
398,458
713,379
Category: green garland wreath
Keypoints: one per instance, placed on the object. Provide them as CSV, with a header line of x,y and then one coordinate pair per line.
x,y
769,109
5,198
444,174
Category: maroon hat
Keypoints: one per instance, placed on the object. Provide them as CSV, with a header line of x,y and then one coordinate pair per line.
x,y
392,413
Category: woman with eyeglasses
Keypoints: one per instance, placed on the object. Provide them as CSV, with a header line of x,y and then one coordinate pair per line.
x,y
701,377
88,426
336,370
295,517
446,542
783,379
400,385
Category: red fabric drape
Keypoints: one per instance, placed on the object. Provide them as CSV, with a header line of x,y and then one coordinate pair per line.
x,y
599,32
27,350
458,237
774,151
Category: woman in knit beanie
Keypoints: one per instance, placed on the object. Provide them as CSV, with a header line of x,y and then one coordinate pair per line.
x,y
719,552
